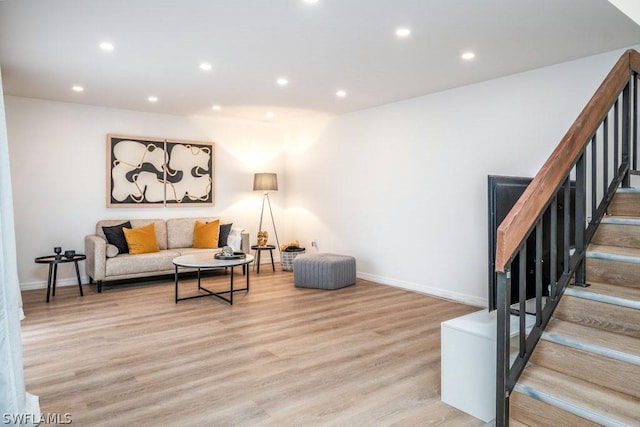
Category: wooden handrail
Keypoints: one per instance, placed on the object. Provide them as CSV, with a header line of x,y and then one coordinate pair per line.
x,y
522,217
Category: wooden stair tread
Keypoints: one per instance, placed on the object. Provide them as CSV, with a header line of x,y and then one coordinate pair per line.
x,y
618,231
614,250
534,413
611,404
595,336
605,370
618,319
626,202
626,292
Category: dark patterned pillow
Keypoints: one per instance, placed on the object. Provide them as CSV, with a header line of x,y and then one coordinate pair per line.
x,y
115,236
225,229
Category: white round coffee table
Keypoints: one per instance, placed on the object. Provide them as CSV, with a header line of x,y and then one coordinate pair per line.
x,y
207,261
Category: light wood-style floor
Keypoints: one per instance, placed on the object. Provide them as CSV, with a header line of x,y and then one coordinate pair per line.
x,y
366,355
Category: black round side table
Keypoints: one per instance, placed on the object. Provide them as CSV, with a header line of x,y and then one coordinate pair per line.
x,y
258,250
53,261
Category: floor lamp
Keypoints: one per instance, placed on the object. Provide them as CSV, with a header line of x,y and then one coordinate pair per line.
x,y
266,182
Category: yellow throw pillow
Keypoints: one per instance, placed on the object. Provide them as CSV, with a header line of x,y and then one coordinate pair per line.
x,y
142,240
205,236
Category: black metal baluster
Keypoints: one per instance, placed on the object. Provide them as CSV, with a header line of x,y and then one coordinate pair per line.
x,y
616,136
605,155
626,113
538,273
567,225
522,297
634,152
580,218
594,173
553,250
503,345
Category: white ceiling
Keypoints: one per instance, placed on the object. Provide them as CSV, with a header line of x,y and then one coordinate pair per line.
x,y
47,46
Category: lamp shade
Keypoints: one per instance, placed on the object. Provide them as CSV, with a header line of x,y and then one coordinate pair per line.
x,y
265,182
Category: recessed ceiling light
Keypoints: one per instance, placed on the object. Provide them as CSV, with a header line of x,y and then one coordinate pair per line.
x,y
77,88
153,99
216,108
467,56
341,93
106,46
311,1
282,81
270,115
205,66
403,32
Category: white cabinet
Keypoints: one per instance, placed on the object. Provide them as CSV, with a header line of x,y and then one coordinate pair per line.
x,y
468,350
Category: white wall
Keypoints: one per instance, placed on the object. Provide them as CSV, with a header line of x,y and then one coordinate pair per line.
x,y
58,167
403,187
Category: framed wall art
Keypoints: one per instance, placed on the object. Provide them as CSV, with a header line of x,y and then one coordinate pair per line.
x,y
148,172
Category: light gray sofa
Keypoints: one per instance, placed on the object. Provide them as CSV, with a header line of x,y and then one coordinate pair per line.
x,y
175,238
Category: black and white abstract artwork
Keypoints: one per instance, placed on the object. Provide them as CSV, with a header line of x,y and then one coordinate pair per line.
x,y
159,172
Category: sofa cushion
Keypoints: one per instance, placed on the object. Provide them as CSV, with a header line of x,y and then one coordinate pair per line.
x,y
205,235
112,250
161,229
180,231
225,229
141,240
235,239
115,236
152,263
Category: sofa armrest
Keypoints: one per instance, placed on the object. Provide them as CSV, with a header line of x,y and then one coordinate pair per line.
x,y
95,248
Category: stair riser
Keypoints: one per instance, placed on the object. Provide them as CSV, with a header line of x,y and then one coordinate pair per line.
x,y
613,272
624,235
595,314
599,370
532,412
625,204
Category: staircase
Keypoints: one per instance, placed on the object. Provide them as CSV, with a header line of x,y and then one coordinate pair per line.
x,y
585,370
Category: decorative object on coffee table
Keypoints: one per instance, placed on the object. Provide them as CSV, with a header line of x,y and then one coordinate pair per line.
x,y
69,254
57,250
266,182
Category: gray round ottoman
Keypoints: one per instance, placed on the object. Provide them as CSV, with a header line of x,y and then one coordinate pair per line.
x,y
324,271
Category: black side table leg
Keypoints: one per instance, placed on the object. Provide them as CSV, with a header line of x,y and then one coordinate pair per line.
x,y
49,281
273,266
258,262
78,275
55,275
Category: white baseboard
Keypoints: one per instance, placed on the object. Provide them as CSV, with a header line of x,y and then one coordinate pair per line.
x,y
70,281
420,288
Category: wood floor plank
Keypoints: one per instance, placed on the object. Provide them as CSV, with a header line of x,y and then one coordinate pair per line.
x,y
363,355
